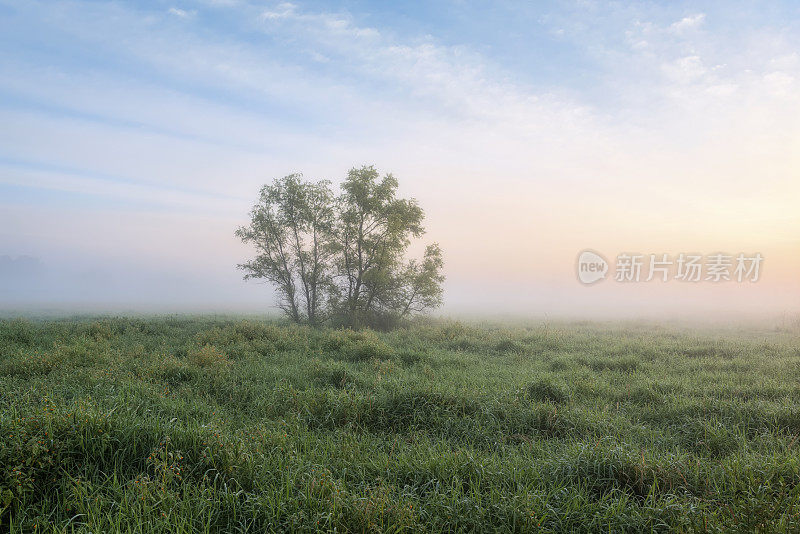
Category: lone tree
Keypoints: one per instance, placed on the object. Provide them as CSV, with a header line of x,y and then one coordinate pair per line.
x,y
342,259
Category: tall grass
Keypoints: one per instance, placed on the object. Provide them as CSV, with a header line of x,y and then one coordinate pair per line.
x,y
202,425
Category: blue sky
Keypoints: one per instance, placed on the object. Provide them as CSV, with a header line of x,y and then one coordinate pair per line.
x,y
134,135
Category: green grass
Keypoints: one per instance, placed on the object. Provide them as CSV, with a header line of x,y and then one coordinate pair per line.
x,y
193,425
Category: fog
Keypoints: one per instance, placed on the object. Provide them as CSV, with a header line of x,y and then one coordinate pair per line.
x,y
32,285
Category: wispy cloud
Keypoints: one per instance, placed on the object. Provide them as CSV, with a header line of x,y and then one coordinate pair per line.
x,y
687,23
182,13
281,11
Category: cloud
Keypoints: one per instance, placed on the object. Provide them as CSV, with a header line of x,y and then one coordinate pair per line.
x,y
689,23
281,11
376,88
685,69
182,13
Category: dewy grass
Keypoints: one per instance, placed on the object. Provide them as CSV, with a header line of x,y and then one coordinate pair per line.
x,y
201,425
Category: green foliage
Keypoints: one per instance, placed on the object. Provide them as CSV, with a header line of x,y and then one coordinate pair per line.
x,y
192,424
291,228
357,345
342,259
208,356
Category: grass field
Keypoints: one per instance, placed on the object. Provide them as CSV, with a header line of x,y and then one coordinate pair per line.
x,y
193,424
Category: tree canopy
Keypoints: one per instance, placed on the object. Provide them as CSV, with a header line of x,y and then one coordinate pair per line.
x,y
342,258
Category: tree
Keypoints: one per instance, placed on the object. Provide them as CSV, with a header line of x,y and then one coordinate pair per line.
x,y
291,228
342,258
373,231
420,286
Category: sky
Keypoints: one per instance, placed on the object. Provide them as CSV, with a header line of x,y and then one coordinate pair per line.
x,y
134,137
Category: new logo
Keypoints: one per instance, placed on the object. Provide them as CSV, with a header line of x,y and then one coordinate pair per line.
x,y
592,267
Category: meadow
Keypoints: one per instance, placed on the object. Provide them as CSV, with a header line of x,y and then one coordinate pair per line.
x,y
199,424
